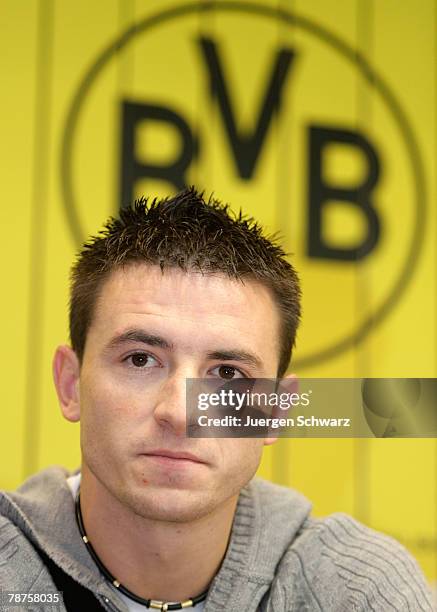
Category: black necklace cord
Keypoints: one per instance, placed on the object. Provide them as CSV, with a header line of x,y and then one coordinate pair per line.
x,y
155,604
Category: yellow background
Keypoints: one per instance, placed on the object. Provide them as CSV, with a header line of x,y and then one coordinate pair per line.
x,y
47,48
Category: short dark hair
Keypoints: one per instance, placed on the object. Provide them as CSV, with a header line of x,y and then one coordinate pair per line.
x,y
186,232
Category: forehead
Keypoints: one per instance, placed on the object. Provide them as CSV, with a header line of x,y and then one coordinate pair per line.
x,y
185,303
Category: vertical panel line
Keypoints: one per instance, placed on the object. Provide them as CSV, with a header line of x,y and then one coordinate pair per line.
x,y
126,18
38,236
365,16
434,119
282,457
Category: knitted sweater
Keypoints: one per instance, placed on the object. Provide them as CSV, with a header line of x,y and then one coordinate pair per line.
x,y
278,558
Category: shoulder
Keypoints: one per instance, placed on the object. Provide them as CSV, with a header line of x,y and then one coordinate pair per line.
x,y
344,565
21,568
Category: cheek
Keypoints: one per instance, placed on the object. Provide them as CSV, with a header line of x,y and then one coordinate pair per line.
x,y
109,408
241,458
109,422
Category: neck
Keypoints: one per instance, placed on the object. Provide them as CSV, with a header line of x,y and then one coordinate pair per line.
x,y
155,559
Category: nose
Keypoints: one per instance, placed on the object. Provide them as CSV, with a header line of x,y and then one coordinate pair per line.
x,y
170,407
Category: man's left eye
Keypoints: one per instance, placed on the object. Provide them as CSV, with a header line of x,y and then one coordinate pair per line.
x,y
142,360
227,372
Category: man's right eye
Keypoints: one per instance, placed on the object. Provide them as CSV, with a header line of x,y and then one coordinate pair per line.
x,y
141,360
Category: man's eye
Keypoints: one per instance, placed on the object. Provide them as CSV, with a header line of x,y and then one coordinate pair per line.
x,y
227,372
142,360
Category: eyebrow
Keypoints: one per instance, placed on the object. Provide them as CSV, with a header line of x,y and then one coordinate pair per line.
x,y
236,355
139,335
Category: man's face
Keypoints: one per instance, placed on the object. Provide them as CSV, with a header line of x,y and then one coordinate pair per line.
x,y
150,332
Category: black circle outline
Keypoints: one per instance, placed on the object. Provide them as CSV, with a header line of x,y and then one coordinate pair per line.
x,y
343,48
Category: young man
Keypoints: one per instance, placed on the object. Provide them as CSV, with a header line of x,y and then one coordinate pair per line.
x,y
174,290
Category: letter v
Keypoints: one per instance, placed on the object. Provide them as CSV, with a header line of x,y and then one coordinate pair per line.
x,y
246,147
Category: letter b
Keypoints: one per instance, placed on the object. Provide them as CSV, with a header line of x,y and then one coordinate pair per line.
x,y
320,193
132,169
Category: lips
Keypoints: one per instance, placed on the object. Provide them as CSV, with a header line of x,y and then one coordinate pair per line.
x,y
172,455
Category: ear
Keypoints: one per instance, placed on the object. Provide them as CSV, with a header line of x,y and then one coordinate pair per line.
x,y
66,371
288,384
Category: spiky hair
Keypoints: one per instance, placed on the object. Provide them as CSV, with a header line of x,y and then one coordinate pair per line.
x,y
193,234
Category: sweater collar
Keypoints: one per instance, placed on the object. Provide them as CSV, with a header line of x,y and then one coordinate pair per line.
x,y
267,520
43,509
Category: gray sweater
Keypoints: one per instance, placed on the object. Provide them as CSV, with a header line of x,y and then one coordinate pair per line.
x,y
278,559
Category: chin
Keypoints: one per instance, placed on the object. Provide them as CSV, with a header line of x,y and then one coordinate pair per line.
x,y
172,505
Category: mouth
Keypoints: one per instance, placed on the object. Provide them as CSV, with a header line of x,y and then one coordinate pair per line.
x,y
173,458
